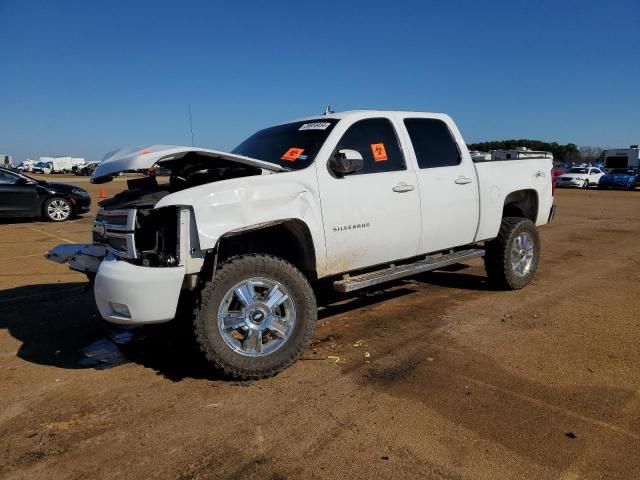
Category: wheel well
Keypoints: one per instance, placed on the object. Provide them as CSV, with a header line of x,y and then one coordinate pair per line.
x,y
289,239
522,203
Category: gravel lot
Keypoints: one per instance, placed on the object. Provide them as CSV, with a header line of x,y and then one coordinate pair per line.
x,y
434,377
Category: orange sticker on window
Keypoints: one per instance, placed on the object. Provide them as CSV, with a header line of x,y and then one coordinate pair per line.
x,y
291,154
379,152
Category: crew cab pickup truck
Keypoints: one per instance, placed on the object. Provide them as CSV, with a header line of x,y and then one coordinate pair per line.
x,y
349,199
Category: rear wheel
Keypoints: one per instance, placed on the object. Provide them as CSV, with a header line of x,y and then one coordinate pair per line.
x,y
256,316
512,258
57,209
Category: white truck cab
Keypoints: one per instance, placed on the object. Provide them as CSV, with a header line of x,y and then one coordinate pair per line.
x,y
354,198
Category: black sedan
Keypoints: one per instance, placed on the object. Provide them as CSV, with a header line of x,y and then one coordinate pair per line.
x,y
23,196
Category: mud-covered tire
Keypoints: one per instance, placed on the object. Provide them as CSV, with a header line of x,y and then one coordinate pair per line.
x,y
211,337
498,263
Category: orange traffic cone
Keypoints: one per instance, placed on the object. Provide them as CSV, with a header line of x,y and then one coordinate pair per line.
x,y
102,193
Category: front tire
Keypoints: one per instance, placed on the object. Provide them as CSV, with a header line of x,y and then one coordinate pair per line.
x,y
512,258
585,184
255,317
57,209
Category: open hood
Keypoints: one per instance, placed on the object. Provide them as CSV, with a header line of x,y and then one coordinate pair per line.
x,y
144,158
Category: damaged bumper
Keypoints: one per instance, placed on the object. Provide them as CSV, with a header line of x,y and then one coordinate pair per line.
x,y
131,294
124,293
81,257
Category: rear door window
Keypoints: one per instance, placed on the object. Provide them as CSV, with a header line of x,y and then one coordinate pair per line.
x,y
433,143
377,142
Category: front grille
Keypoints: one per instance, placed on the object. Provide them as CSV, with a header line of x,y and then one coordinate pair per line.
x,y
120,244
115,228
116,220
148,237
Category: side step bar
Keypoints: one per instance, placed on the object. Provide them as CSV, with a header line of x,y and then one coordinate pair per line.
x,y
349,284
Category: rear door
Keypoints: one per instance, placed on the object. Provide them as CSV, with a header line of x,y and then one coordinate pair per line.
x,y
447,181
16,196
372,216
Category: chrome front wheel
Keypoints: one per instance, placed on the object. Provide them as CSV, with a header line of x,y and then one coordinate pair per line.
x,y
256,316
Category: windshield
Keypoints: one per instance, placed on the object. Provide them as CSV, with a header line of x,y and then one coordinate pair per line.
x,y
622,171
579,170
293,145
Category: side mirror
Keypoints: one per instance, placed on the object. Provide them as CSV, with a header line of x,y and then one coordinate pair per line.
x,y
24,181
345,162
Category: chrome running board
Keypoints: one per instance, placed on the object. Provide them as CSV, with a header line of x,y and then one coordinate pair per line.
x,y
394,272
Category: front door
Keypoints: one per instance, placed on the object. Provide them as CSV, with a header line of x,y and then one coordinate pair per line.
x,y
371,216
16,196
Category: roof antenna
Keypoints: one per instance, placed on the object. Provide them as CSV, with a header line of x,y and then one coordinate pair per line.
x,y
191,125
328,111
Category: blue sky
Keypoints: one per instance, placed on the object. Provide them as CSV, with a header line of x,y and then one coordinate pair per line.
x,y
83,77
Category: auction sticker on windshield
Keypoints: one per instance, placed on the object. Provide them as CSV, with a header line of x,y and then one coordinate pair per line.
x,y
315,126
292,154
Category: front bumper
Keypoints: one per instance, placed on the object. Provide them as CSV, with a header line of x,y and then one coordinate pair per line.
x,y
148,294
569,183
81,204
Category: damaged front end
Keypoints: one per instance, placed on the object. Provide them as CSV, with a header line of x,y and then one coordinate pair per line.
x,y
142,257
139,263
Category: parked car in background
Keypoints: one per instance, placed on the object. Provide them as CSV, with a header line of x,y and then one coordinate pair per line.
x,y
581,177
86,169
41,167
23,196
558,170
620,178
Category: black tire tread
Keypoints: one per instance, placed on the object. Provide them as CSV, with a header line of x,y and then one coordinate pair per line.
x,y
248,372
497,258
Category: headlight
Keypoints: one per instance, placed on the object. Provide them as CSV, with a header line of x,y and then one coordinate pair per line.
x,y
79,192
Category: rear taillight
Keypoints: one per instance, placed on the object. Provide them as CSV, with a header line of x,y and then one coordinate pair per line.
x,y
553,184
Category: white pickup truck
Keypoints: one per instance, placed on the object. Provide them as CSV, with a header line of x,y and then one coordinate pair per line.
x,y
352,199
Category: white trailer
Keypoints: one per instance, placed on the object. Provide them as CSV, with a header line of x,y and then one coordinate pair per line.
x,y
27,165
622,157
78,162
58,164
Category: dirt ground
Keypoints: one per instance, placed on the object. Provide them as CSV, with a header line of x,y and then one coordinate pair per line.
x,y
433,378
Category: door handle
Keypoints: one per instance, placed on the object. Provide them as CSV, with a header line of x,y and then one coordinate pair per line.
x,y
403,187
540,174
463,180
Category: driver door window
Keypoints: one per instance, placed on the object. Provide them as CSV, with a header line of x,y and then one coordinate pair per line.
x,y
378,144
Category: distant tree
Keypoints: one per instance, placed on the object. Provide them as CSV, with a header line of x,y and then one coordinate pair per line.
x,y
590,154
561,153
